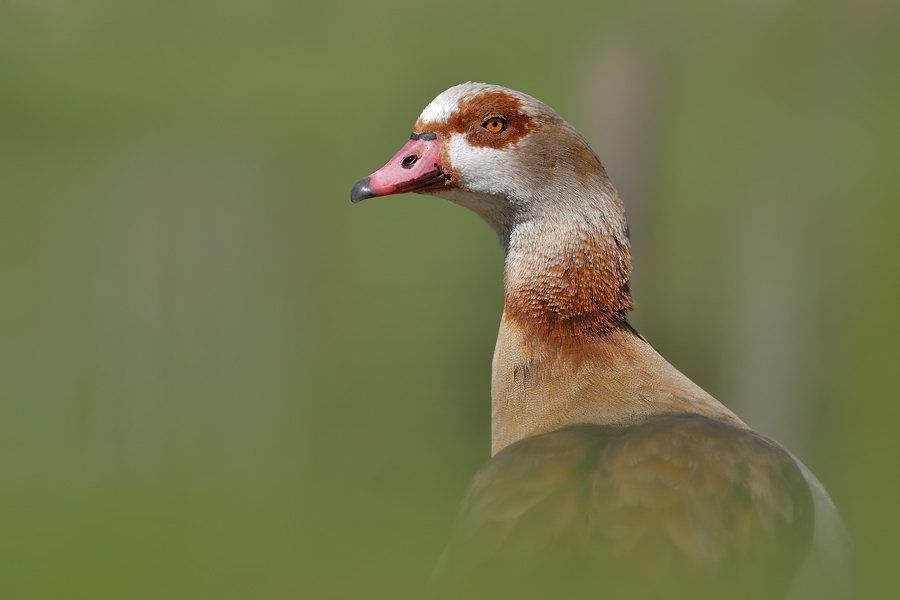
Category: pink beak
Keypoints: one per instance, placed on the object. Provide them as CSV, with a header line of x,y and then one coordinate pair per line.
x,y
415,168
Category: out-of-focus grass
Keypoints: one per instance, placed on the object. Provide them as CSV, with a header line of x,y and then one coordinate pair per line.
x,y
220,379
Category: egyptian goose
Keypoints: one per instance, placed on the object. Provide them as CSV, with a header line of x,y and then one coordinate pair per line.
x,y
611,471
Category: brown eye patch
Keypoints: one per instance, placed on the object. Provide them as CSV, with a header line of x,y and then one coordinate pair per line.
x,y
479,116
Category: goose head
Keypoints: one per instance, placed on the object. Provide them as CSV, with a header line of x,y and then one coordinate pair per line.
x,y
504,155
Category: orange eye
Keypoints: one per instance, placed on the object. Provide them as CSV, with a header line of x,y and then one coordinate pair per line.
x,y
495,125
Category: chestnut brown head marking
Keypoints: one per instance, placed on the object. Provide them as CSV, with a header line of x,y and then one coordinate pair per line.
x,y
478,115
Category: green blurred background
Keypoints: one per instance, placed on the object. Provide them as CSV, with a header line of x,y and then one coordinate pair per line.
x,y
220,379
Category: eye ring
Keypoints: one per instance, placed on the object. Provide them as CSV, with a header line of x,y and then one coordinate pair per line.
x,y
495,124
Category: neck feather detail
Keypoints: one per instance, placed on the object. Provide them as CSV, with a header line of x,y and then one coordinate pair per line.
x,y
565,353
568,277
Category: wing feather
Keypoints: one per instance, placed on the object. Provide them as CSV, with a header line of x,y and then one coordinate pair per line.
x,y
679,507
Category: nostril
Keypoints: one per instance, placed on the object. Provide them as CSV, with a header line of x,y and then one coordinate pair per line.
x,y
408,161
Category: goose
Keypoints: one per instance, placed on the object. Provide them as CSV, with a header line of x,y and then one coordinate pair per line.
x,y
611,474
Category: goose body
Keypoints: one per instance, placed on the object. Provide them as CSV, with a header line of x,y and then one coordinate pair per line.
x,y
611,472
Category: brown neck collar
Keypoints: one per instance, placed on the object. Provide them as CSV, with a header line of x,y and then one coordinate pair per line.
x,y
576,287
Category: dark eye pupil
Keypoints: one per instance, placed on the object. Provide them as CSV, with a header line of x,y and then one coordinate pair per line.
x,y
409,161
